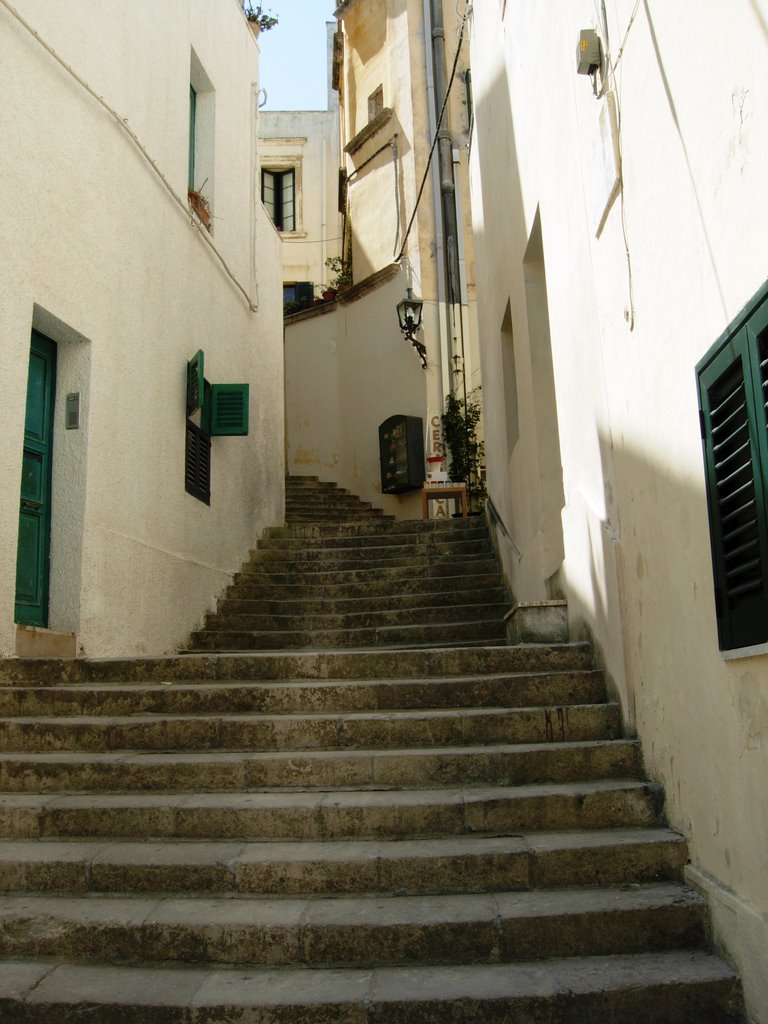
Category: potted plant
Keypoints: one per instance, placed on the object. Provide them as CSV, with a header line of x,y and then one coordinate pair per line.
x,y
258,19
342,274
459,422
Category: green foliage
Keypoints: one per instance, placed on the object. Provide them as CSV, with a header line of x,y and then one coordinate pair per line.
x,y
459,422
342,271
255,12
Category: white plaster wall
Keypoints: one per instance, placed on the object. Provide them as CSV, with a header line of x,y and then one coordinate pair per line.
x,y
693,97
99,255
346,372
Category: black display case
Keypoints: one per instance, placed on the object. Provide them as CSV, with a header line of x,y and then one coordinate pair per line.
x,y
401,454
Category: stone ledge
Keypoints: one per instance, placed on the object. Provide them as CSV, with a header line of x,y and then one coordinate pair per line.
x,y
366,133
36,642
368,284
537,622
320,309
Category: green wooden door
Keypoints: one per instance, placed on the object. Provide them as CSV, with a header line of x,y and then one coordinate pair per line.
x,y
33,556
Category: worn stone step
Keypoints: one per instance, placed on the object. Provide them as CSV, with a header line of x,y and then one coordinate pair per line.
x,y
306,665
405,604
262,585
415,534
666,988
227,619
297,696
391,528
429,549
421,562
338,814
358,570
418,635
234,771
490,928
390,867
346,731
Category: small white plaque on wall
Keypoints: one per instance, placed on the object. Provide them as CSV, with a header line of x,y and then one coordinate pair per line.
x,y
603,179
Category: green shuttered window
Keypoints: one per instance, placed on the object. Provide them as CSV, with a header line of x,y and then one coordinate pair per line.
x,y
223,410
733,400
197,463
229,410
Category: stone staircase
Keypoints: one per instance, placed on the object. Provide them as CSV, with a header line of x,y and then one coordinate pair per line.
x,y
396,834
338,583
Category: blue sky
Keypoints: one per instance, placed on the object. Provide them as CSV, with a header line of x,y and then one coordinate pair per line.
x,y
293,60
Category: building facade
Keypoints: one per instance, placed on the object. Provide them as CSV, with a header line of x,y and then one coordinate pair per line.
x,y
619,205
406,225
299,181
134,241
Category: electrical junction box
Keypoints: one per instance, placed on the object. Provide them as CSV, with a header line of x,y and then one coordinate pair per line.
x,y
589,54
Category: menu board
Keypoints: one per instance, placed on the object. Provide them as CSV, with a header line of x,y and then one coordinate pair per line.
x,y
401,454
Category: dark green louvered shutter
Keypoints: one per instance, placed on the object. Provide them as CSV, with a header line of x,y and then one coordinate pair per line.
x,y
197,463
733,386
229,410
195,378
305,291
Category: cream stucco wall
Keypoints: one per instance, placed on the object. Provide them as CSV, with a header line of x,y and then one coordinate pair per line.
x,y
589,347
347,370
99,256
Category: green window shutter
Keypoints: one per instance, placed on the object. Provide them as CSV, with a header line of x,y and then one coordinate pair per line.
x,y
197,463
305,291
229,410
195,378
732,395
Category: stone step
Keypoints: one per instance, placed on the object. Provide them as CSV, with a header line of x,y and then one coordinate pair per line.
x,y
228,619
390,529
265,585
296,696
348,731
235,771
460,570
428,548
337,814
537,860
460,564
411,533
420,635
404,603
351,730
358,665
665,988
490,928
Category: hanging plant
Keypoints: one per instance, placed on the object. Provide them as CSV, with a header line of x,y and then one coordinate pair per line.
x,y
465,449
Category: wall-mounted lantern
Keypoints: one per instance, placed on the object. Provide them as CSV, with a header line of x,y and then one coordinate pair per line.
x,y
409,312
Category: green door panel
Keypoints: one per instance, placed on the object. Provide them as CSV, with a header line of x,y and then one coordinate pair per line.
x,y
33,553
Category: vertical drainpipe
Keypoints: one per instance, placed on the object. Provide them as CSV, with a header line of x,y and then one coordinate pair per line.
x,y
445,158
451,240
433,109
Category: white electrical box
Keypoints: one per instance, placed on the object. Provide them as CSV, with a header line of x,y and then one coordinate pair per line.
x,y
589,54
